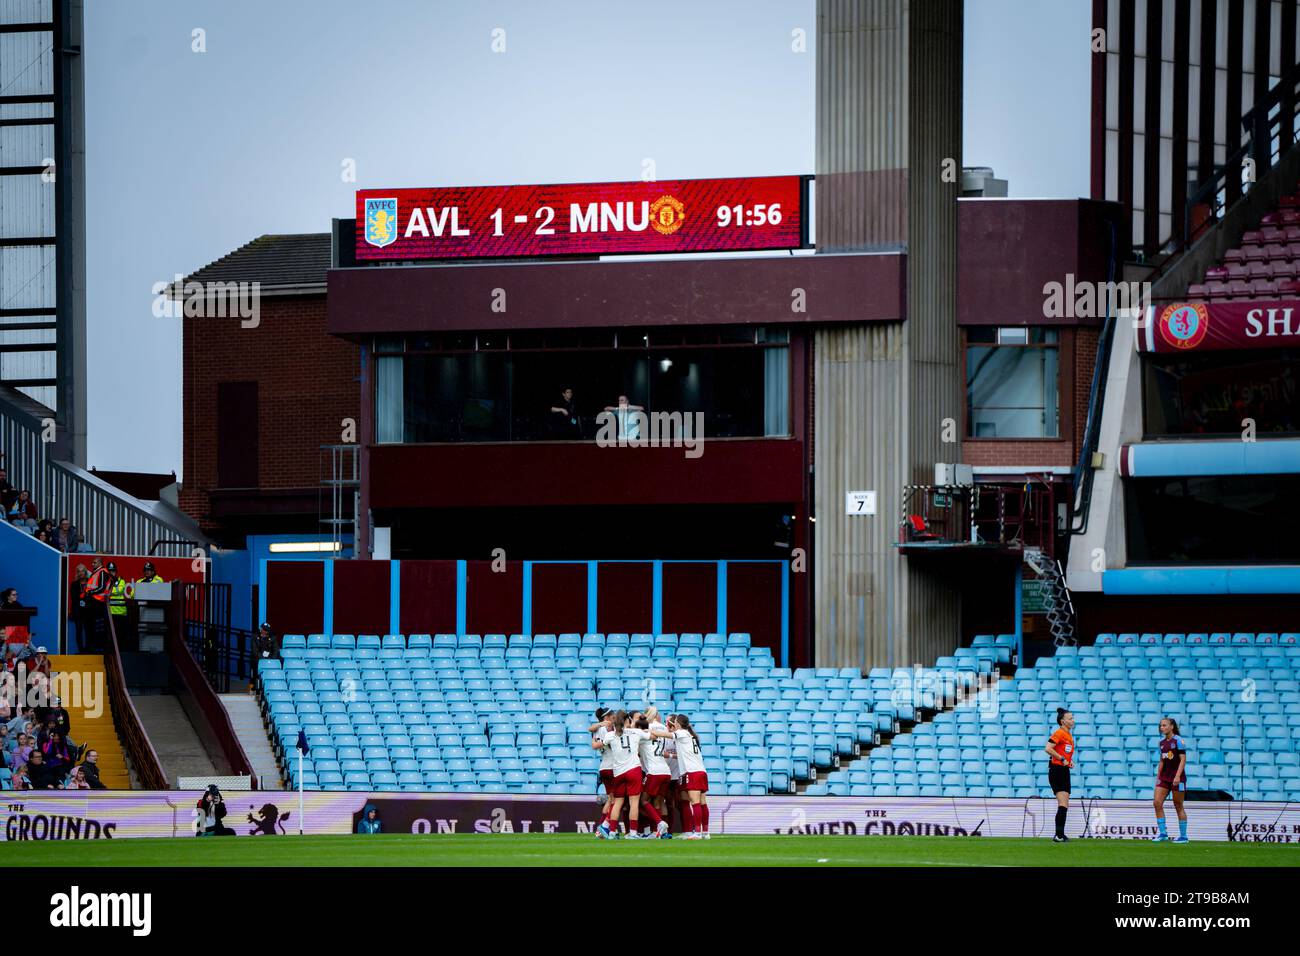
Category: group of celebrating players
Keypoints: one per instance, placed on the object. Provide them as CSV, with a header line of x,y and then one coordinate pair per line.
x,y
650,768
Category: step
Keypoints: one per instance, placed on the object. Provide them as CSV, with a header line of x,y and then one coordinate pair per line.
x,y
246,720
98,733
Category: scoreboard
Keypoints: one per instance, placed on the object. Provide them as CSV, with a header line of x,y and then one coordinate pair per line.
x,y
687,215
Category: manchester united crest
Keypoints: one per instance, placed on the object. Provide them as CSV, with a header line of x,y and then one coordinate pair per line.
x,y
667,215
1184,325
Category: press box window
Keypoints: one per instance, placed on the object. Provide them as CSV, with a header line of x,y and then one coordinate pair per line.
x,y
1012,382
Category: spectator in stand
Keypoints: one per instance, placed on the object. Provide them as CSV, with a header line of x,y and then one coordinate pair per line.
x,y
9,599
19,779
40,662
90,770
58,715
22,751
79,612
17,723
7,491
66,537
13,657
46,527
627,418
57,755
42,776
565,421
22,511
76,780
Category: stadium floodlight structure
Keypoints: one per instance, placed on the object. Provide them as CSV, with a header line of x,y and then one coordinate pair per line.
x,y
42,214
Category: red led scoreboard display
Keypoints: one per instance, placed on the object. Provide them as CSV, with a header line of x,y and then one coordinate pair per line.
x,y
690,215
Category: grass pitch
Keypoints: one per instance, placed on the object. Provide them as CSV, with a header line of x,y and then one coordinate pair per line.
x,y
569,850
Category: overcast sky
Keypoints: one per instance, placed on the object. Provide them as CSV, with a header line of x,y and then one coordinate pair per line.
x,y
189,155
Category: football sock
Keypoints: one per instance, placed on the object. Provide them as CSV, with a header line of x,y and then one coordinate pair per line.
x,y
1182,829
704,814
1060,821
1160,825
652,813
631,824
688,818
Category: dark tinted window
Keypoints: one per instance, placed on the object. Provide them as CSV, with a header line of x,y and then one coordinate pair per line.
x,y
1213,520
1216,392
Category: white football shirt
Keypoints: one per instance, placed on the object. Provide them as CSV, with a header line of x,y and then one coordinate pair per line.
x,y
688,753
624,747
670,757
602,735
652,753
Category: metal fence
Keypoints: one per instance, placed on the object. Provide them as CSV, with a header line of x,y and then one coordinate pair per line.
x,y
224,652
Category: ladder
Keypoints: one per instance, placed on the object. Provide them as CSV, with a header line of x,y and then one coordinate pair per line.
x,y
1060,606
340,496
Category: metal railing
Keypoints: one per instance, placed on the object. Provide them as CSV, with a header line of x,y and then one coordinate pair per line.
x,y
104,516
224,653
201,687
130,729
1083,470
1012,515
1270,132
338,495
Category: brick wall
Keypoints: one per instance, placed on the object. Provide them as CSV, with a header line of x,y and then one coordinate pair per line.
x,y
307,384
1078,355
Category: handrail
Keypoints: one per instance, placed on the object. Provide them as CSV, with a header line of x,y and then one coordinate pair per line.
x,y
196,684
1083,471
126,720
1260,129
153,548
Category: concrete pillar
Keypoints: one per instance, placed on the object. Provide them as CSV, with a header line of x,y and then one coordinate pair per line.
x,y
888,176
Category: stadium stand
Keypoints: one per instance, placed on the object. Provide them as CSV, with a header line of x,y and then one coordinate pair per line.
x,y
1264,264
1228,692
492,712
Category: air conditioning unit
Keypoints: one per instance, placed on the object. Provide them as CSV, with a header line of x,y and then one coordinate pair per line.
x,y
954,474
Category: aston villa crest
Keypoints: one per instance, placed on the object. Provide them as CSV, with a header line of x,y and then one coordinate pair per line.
x,y
381,222
1184,325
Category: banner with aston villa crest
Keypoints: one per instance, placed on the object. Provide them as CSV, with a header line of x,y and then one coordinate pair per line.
x,y
1184,327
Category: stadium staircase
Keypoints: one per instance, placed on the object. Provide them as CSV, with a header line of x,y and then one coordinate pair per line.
x,y
175,740
246,719
928,709
97,732
1060,607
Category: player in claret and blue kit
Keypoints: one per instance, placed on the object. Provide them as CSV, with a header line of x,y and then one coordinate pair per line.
x,y
1171,778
